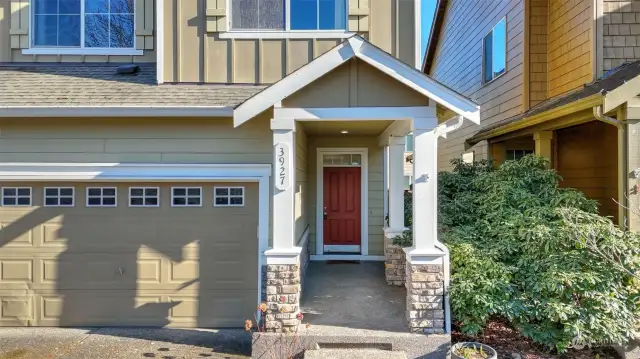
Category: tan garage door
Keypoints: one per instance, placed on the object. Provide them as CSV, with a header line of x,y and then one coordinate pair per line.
x,y
147,260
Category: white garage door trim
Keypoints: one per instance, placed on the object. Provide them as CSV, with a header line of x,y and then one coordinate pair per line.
x,y
119,172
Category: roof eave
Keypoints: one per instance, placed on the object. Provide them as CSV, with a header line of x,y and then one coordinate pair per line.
x,y
116,111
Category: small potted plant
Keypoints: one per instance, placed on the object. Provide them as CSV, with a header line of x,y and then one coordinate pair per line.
x,y
470,350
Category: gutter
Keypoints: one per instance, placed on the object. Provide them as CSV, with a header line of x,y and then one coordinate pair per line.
x,y
116,111
600,116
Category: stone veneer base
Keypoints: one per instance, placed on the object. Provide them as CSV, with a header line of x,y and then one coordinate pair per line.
x,y
282,291
394,263
425,298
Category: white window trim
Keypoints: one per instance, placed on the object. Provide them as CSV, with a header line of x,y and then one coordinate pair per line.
x,y
16,197
186,196
286,33
32,50
73,197
144,196
506,39
115,204
228,196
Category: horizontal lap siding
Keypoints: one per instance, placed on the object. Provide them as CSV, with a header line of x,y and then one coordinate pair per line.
x,y
458,64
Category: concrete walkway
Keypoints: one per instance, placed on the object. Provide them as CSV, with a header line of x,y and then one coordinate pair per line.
x,y
353,296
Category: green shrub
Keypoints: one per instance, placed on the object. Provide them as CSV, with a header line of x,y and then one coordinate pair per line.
x,y
535,254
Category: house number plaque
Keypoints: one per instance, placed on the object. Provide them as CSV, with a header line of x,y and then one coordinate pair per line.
x,y
283,177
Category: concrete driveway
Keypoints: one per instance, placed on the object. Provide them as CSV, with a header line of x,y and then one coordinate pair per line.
x,y
122,343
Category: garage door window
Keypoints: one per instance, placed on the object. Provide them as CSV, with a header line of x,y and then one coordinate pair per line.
x,y
101,196
58,196
228,196
16,196
144,196
186,196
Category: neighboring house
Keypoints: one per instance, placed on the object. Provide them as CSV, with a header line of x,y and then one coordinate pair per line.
x,y
250,139
552,78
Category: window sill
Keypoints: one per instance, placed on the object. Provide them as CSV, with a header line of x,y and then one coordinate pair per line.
x,y
487,83
339,34
63,51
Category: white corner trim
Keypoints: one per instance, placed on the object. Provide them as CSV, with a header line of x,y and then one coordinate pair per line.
x,y
291,34
364,195
116,111
159,38
82,51
353,113
418,34
130,172
345,257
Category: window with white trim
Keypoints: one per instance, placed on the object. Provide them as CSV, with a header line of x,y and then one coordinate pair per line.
x,y
186,196
494,52
58,196
96,24
16,196
102,196
228,196
144,196
514,155
285,15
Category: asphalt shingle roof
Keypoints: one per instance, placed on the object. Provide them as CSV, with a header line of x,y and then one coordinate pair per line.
x,y
99,85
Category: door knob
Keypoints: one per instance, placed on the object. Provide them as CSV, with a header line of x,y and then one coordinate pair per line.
x,y
324,215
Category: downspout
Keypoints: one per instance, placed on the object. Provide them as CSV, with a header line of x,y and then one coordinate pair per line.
x,y
597,113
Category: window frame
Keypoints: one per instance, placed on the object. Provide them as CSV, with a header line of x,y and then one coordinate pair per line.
x,y
73,197
186,196
228,196
82,50
484,60
102,188
143,197
16,196
286,32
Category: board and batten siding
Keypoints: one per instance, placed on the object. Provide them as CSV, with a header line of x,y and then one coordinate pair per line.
x,y
569,45
375,211
458,64
15,16
196,50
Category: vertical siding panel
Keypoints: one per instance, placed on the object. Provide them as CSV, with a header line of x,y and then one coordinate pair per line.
x,y
406,32
190,31
5,28
323,46
170,65
244,67
273,55
299,53
383,28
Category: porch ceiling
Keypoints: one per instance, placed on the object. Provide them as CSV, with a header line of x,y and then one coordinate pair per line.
x,y
354,128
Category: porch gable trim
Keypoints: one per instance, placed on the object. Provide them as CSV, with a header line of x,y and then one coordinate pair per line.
x,y
353,113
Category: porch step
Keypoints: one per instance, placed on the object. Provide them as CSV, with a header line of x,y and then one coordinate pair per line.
x,y
353,354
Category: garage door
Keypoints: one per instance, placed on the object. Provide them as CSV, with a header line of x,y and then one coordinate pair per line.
x,y
134,254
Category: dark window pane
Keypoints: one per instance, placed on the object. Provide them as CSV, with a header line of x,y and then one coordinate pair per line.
x,y
304,15
409,143
222,200
487,53
9,191
51,201
109,201
94,191
271,14
236,200
244,14
51,192
96,6
193,191
151,201
23,201
70,7
121,34
194,201
333,14
136,201
45,29
179,191
45,6
66,191
66,201
108,191
151,191
24,191
96,31
499,48
236,191
122,6
69,30
9,201
179,201
222,191
94,201
136,191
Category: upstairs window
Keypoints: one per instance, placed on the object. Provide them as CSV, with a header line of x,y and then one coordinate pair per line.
x,y
494,47
98,24
288,14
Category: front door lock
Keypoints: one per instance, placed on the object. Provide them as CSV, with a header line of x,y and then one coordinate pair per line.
x,y
324,215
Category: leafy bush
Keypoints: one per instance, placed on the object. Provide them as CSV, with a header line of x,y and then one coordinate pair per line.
x,y
537,255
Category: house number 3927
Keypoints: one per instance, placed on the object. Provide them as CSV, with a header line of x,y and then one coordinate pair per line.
x,y
282,177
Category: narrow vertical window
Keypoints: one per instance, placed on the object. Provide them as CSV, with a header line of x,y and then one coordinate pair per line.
x,y
494,56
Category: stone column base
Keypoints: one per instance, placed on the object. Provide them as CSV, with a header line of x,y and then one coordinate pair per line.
x,y
425,298
282,297
394,259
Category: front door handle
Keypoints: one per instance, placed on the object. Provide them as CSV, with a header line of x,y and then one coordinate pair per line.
x,y
324,215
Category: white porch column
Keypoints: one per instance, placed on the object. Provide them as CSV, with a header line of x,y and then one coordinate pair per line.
x,y
396,183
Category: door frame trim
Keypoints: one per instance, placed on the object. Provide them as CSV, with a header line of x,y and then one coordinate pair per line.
x,y
364,194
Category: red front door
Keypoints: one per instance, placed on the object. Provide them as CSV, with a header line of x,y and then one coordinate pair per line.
x,y
342,206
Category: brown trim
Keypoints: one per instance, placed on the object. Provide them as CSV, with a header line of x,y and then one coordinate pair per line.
x,y
434,35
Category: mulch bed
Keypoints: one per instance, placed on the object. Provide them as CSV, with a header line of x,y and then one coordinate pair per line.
x,y
506,340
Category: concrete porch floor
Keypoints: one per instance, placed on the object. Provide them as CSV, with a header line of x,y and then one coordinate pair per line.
x,y
352,295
